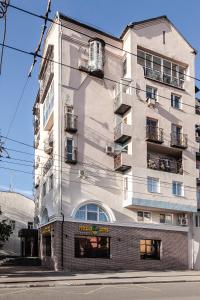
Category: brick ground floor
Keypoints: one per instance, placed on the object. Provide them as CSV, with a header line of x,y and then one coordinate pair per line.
x,y
77,246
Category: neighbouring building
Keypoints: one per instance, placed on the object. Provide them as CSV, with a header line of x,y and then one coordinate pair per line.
x,y
18,211
116,143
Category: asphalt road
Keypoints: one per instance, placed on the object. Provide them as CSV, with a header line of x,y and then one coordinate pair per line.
x,y
166,291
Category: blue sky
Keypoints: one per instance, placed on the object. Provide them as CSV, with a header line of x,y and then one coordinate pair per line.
x,y
24,32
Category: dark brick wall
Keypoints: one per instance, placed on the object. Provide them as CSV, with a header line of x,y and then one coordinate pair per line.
x,y
124,245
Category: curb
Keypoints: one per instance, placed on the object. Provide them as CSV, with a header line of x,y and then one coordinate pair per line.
x,y
71,284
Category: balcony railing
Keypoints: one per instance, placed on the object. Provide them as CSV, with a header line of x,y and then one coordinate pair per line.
x,y
122,162
197,106
122,133
70,122
154,134
179,140
36,124
165,164
165,78
71,155
47,166
48,144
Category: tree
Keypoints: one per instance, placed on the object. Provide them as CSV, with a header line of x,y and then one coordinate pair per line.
x,y
5,231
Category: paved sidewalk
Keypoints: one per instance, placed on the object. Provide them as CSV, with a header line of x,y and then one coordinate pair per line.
x,y
38,276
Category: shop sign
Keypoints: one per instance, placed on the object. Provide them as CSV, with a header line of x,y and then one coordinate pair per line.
x,y
46,229
93,229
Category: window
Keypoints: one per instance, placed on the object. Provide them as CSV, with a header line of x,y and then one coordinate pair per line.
x,y
166,218
48,103
91,212
92,247
51,182
177,188
176,101
44,189
150,249
70,150
153,185
12,224
124,67
197,220
151,92
161,70
143,216
30,225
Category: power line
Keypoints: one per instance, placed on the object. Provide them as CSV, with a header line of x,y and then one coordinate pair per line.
x,y
74,68
89,36
4,38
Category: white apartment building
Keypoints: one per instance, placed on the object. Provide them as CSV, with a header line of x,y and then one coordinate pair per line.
x,y
115,139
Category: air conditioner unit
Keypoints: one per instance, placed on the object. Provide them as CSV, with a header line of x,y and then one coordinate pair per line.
x,y
151,102
110,150
183,221
81,174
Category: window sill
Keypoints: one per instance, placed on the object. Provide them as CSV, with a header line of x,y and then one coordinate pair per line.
x,y
161,82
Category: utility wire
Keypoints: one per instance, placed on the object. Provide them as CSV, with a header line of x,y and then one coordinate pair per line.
x,y
4,38
75,68
89,36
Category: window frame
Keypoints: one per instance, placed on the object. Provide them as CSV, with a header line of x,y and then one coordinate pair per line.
x,y
86,252
149,253
99,211
153,94
144,219
151,184
173,101
176,185
165,219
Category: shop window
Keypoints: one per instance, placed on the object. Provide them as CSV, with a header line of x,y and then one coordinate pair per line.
x,y
150,249
92,247
47,245
91,212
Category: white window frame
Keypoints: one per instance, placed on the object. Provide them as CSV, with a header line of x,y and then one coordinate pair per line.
x,y
173,101
145,219
154,91
166,215
150,184
182,188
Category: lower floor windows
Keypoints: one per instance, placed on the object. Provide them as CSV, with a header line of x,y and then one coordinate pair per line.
x,y
150,249
92,247
165,219
144,216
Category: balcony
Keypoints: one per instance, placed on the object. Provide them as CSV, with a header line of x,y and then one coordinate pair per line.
x,y
164,78
36,124
47,166
71,123
122,133
48,144
122,102
71,155
36,141
164,164
197,106
122,162
154,134
179,140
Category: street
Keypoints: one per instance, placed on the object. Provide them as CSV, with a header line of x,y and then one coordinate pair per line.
x,y
175,291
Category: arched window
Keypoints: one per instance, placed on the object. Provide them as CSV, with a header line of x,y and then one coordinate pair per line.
x,y
92,212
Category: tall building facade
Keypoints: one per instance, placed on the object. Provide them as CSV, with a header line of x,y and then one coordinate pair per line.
x,y
115,147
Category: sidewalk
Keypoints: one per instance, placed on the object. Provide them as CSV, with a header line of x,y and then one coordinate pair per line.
x,y
37,277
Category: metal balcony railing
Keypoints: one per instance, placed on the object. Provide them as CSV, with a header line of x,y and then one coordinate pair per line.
x,y
179,140
165,164
47,166
163,77
197,106
71,155
71,122
154,134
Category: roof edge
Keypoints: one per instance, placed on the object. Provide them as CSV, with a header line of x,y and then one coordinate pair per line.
x,y
76,22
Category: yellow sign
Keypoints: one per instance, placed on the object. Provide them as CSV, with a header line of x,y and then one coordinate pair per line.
x,y
46,229
93,228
